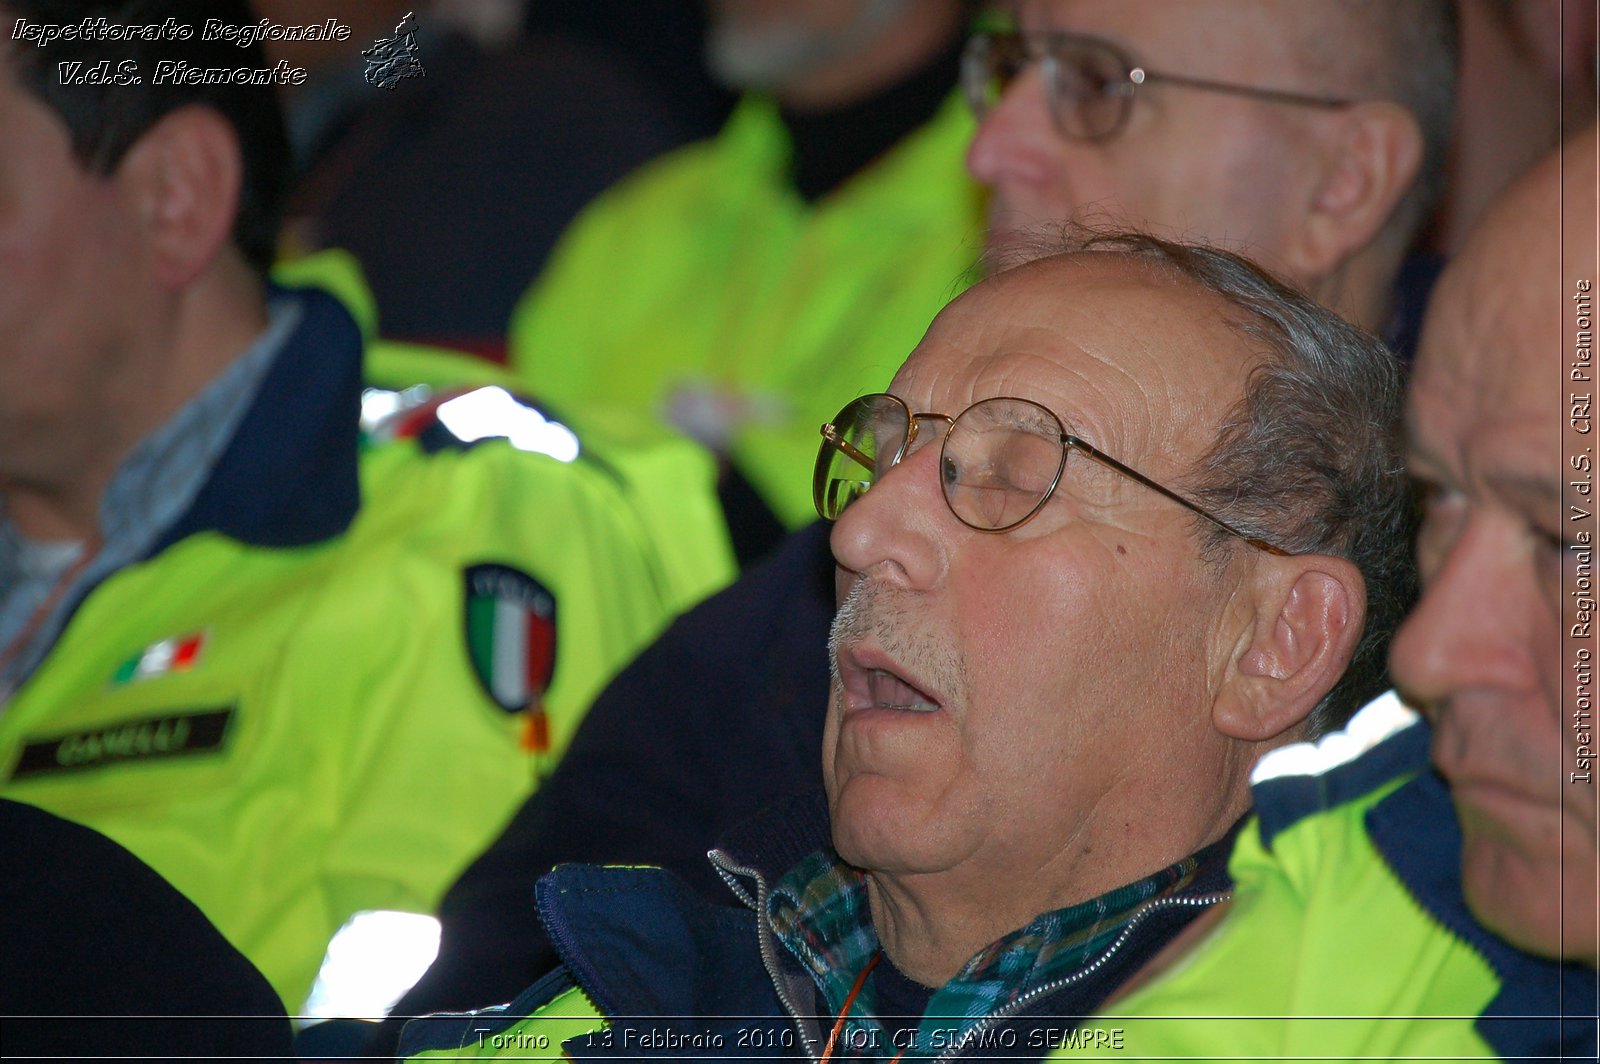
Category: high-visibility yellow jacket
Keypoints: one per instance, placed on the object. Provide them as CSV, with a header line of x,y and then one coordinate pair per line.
x,y
348,663
1349,937
704,292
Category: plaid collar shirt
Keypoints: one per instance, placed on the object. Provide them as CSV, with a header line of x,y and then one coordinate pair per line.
x,y
819,912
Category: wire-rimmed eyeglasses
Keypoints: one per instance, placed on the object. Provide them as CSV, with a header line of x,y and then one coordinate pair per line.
x,y
1089,82
1000,460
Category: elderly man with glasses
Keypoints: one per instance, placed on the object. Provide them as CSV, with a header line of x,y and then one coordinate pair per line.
x,y
1127,518
1322,153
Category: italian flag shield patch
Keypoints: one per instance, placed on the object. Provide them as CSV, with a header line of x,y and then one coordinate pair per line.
x,y
511,634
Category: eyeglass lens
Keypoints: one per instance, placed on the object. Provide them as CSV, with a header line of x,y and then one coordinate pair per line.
x,y
1001,458
1086,81
866,428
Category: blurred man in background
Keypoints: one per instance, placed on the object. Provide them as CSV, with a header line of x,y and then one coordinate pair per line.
x,y
452,188
1322,164
728,288
300,672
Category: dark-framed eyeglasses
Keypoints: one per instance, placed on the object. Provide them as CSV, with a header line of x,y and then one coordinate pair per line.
x,y
1089,82
999,462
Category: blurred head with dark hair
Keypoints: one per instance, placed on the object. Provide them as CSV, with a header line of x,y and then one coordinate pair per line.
x,y
105,120
136,223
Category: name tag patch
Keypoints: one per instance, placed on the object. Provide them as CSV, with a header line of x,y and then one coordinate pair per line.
x,y
146,739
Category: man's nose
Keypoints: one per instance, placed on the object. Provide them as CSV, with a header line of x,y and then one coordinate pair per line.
x,y
899,529
1474,620
1017,135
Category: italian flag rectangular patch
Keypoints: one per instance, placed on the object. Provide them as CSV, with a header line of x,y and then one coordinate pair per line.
x,y
179,654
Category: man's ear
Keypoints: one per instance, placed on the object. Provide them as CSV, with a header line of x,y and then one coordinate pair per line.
x,y
1308,614
1371,155
185,174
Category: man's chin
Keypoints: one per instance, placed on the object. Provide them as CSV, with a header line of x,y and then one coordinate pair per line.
x,y
1541,904
881,825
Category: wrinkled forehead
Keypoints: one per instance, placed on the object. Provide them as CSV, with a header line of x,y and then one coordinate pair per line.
x,y
1126,356
1484,397
1496,319
1493,330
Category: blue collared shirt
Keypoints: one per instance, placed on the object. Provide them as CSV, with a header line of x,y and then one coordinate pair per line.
x,y
152,488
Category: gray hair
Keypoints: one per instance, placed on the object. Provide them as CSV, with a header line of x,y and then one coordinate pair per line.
x,y
1309,459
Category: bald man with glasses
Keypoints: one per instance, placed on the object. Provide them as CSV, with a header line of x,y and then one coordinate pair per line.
x,y
1311,134
1127,518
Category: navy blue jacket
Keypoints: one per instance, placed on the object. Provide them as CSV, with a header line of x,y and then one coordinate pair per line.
x,y
673,970
103,958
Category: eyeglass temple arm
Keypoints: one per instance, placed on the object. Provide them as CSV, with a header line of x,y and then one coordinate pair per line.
x,y
849,449
1144,76
1127,471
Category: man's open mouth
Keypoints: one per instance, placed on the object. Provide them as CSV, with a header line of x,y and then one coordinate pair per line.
x,y
872,682
889,691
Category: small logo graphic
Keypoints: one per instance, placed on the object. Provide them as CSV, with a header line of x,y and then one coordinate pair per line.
x,y
159,659
390,60
511,634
